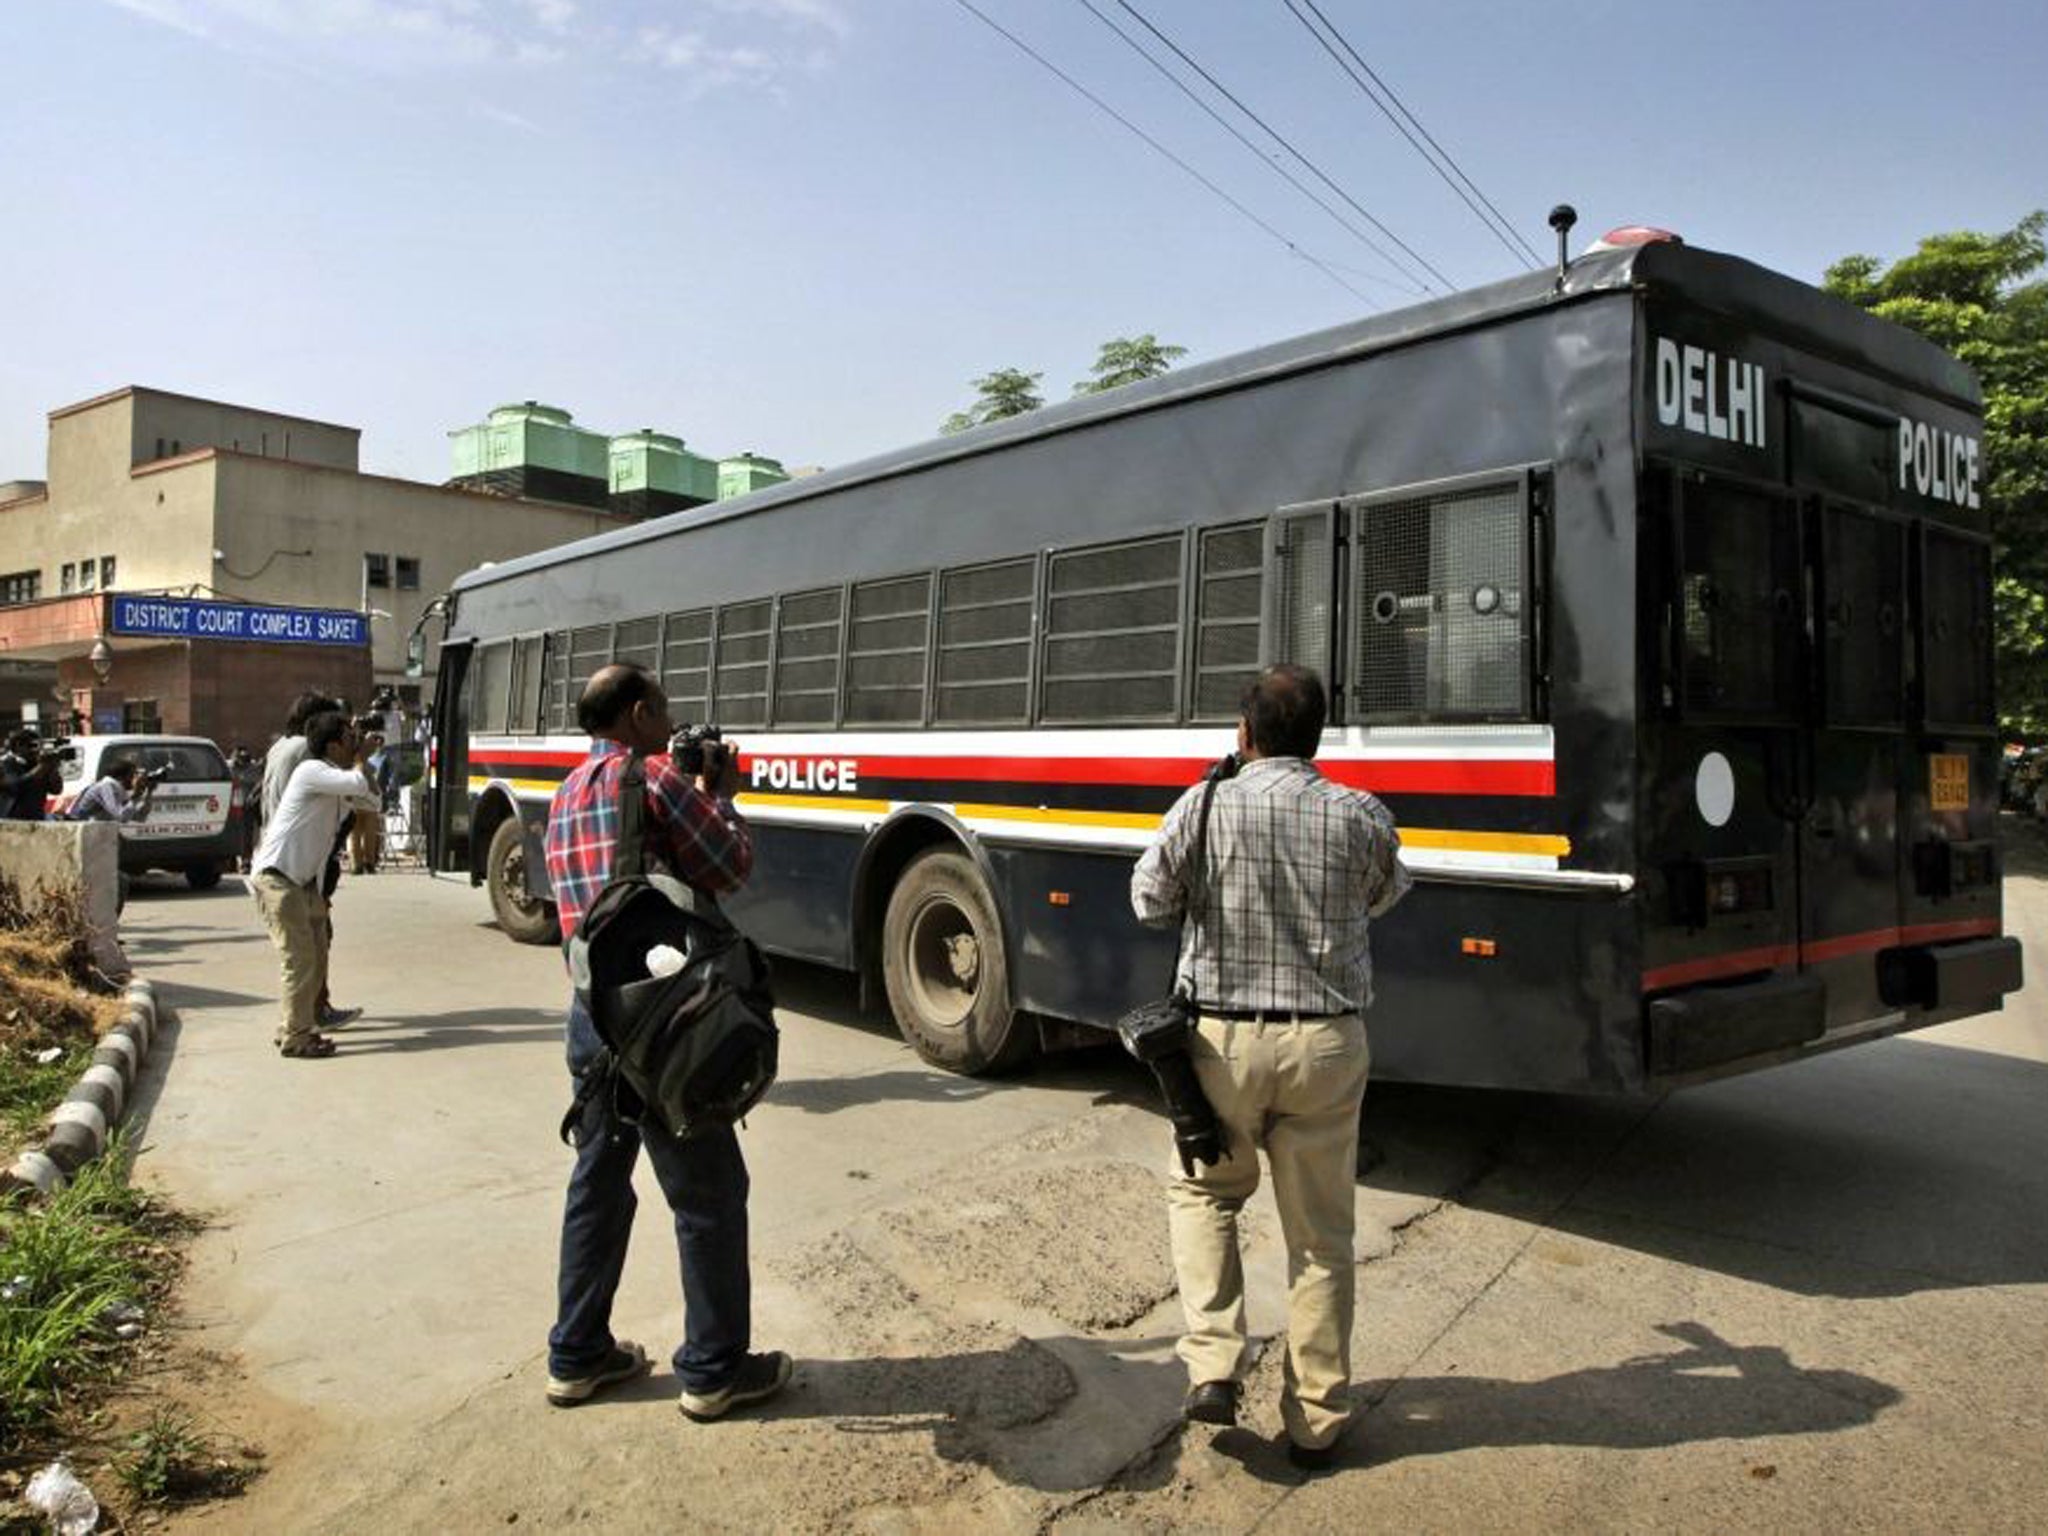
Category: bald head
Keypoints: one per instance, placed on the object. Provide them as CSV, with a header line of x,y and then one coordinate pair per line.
x,y
623,702
1283,712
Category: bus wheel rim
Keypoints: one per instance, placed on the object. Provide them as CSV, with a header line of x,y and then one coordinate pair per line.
x,y
514,882
944,953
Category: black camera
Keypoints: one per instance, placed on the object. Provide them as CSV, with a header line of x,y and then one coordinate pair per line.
x,y
155,775
367,724
689,747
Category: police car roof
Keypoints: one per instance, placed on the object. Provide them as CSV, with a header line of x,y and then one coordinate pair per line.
x,y
1783,306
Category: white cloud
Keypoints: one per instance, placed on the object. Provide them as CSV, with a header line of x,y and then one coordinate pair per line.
x,y
717,43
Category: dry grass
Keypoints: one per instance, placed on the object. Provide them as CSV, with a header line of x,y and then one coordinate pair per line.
x,y
52,998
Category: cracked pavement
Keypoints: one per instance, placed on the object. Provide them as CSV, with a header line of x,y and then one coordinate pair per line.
x,y
1812,1296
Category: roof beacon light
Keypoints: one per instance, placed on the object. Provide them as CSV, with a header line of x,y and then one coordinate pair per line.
x,y
1635,234
1562,218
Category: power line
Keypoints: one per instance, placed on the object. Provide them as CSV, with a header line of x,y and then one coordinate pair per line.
x,y
1495,221
1413,284
1159,148
1313,169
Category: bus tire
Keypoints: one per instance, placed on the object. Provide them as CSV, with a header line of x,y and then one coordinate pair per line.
x,y
945,968
525,917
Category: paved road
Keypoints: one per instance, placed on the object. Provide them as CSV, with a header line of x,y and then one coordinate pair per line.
x,y
1816,1297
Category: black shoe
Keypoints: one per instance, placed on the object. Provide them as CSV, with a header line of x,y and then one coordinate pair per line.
x,y
1212,1402
1312,1458
758,1377
626,1361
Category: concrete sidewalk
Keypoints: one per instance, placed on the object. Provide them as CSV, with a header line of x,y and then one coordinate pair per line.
x,y
1816,1297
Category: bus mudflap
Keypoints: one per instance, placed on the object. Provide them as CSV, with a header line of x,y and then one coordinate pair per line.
x,y
1975,973
1706,1026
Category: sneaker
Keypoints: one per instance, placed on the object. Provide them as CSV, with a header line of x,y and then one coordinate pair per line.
x,y
626,1361
759,1376
334,1018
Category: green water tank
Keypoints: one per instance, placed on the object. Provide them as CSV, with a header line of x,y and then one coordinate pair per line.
x,y
747,472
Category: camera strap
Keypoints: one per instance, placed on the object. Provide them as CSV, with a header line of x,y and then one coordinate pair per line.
x,y
629,853
1198,894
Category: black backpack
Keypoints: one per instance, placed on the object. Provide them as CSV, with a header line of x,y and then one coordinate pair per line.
x,y
687,1051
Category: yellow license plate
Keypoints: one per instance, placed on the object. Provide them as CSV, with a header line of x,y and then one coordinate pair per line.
x,y
1948,781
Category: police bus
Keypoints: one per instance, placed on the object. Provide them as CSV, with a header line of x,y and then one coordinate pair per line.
x,y
1653,594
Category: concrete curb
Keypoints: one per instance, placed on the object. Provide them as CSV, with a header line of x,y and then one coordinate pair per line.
x,y
81,1126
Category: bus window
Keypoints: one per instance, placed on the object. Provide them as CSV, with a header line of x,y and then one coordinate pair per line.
x,y
558,710
1862,604
984,668
740,696
589,649
1955,638
1739,615
807,657
530,689
1301,588
639,641
1226,618
886,642
686,666
1112,633
493,675
1439,620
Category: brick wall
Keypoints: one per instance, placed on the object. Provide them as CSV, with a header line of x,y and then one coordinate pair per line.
x,y
228,691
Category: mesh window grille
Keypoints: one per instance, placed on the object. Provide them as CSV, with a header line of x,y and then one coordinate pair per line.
x,y
741,693
493,688
807,658
1227,618
1955,601
1112,633
686,666
1863,618
1738,604
984,665
887,640
1301,573
560,710
589,649
639,641
1437,601
530,684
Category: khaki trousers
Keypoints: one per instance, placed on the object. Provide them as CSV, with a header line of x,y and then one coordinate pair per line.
x,y
296,916
365,842
1294,1090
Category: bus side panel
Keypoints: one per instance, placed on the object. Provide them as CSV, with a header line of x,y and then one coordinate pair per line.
x,y
1077,951
795,903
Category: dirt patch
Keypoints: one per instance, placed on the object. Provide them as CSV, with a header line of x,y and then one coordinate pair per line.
x,y
1084,1242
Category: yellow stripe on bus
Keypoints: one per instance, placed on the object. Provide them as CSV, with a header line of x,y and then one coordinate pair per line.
x,y
1486,842
1139,819
813,803
1540,843
522,786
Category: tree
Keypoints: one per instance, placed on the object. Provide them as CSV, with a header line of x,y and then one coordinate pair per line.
x,y
1005,392
1977,295
1126,360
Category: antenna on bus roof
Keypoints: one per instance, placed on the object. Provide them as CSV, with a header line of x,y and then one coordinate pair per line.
x,y
1562,218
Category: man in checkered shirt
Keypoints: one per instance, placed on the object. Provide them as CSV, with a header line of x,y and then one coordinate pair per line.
x,y
1278,960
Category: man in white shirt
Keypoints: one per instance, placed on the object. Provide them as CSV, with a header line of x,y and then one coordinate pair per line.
x,y
298,837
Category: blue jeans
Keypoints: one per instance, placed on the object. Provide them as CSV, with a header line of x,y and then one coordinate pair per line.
x,y
705,1181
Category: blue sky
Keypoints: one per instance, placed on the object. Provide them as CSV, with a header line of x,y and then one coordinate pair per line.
x,y
801,226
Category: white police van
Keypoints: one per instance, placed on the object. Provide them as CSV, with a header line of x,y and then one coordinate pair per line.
x,y
194,823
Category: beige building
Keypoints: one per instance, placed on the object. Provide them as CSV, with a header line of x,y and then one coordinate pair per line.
x,y
154,492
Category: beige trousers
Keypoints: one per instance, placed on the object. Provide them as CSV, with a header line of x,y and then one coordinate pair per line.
x,y
1293,1089
296,916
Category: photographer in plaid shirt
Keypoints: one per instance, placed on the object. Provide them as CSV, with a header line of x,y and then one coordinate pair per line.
x,y
1280,968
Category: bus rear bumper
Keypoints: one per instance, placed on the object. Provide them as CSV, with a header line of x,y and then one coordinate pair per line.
x,y
1972,975
1705,1027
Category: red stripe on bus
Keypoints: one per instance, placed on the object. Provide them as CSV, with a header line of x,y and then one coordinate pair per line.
x,y
1399,776
1885,938
1717,967
1815,952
